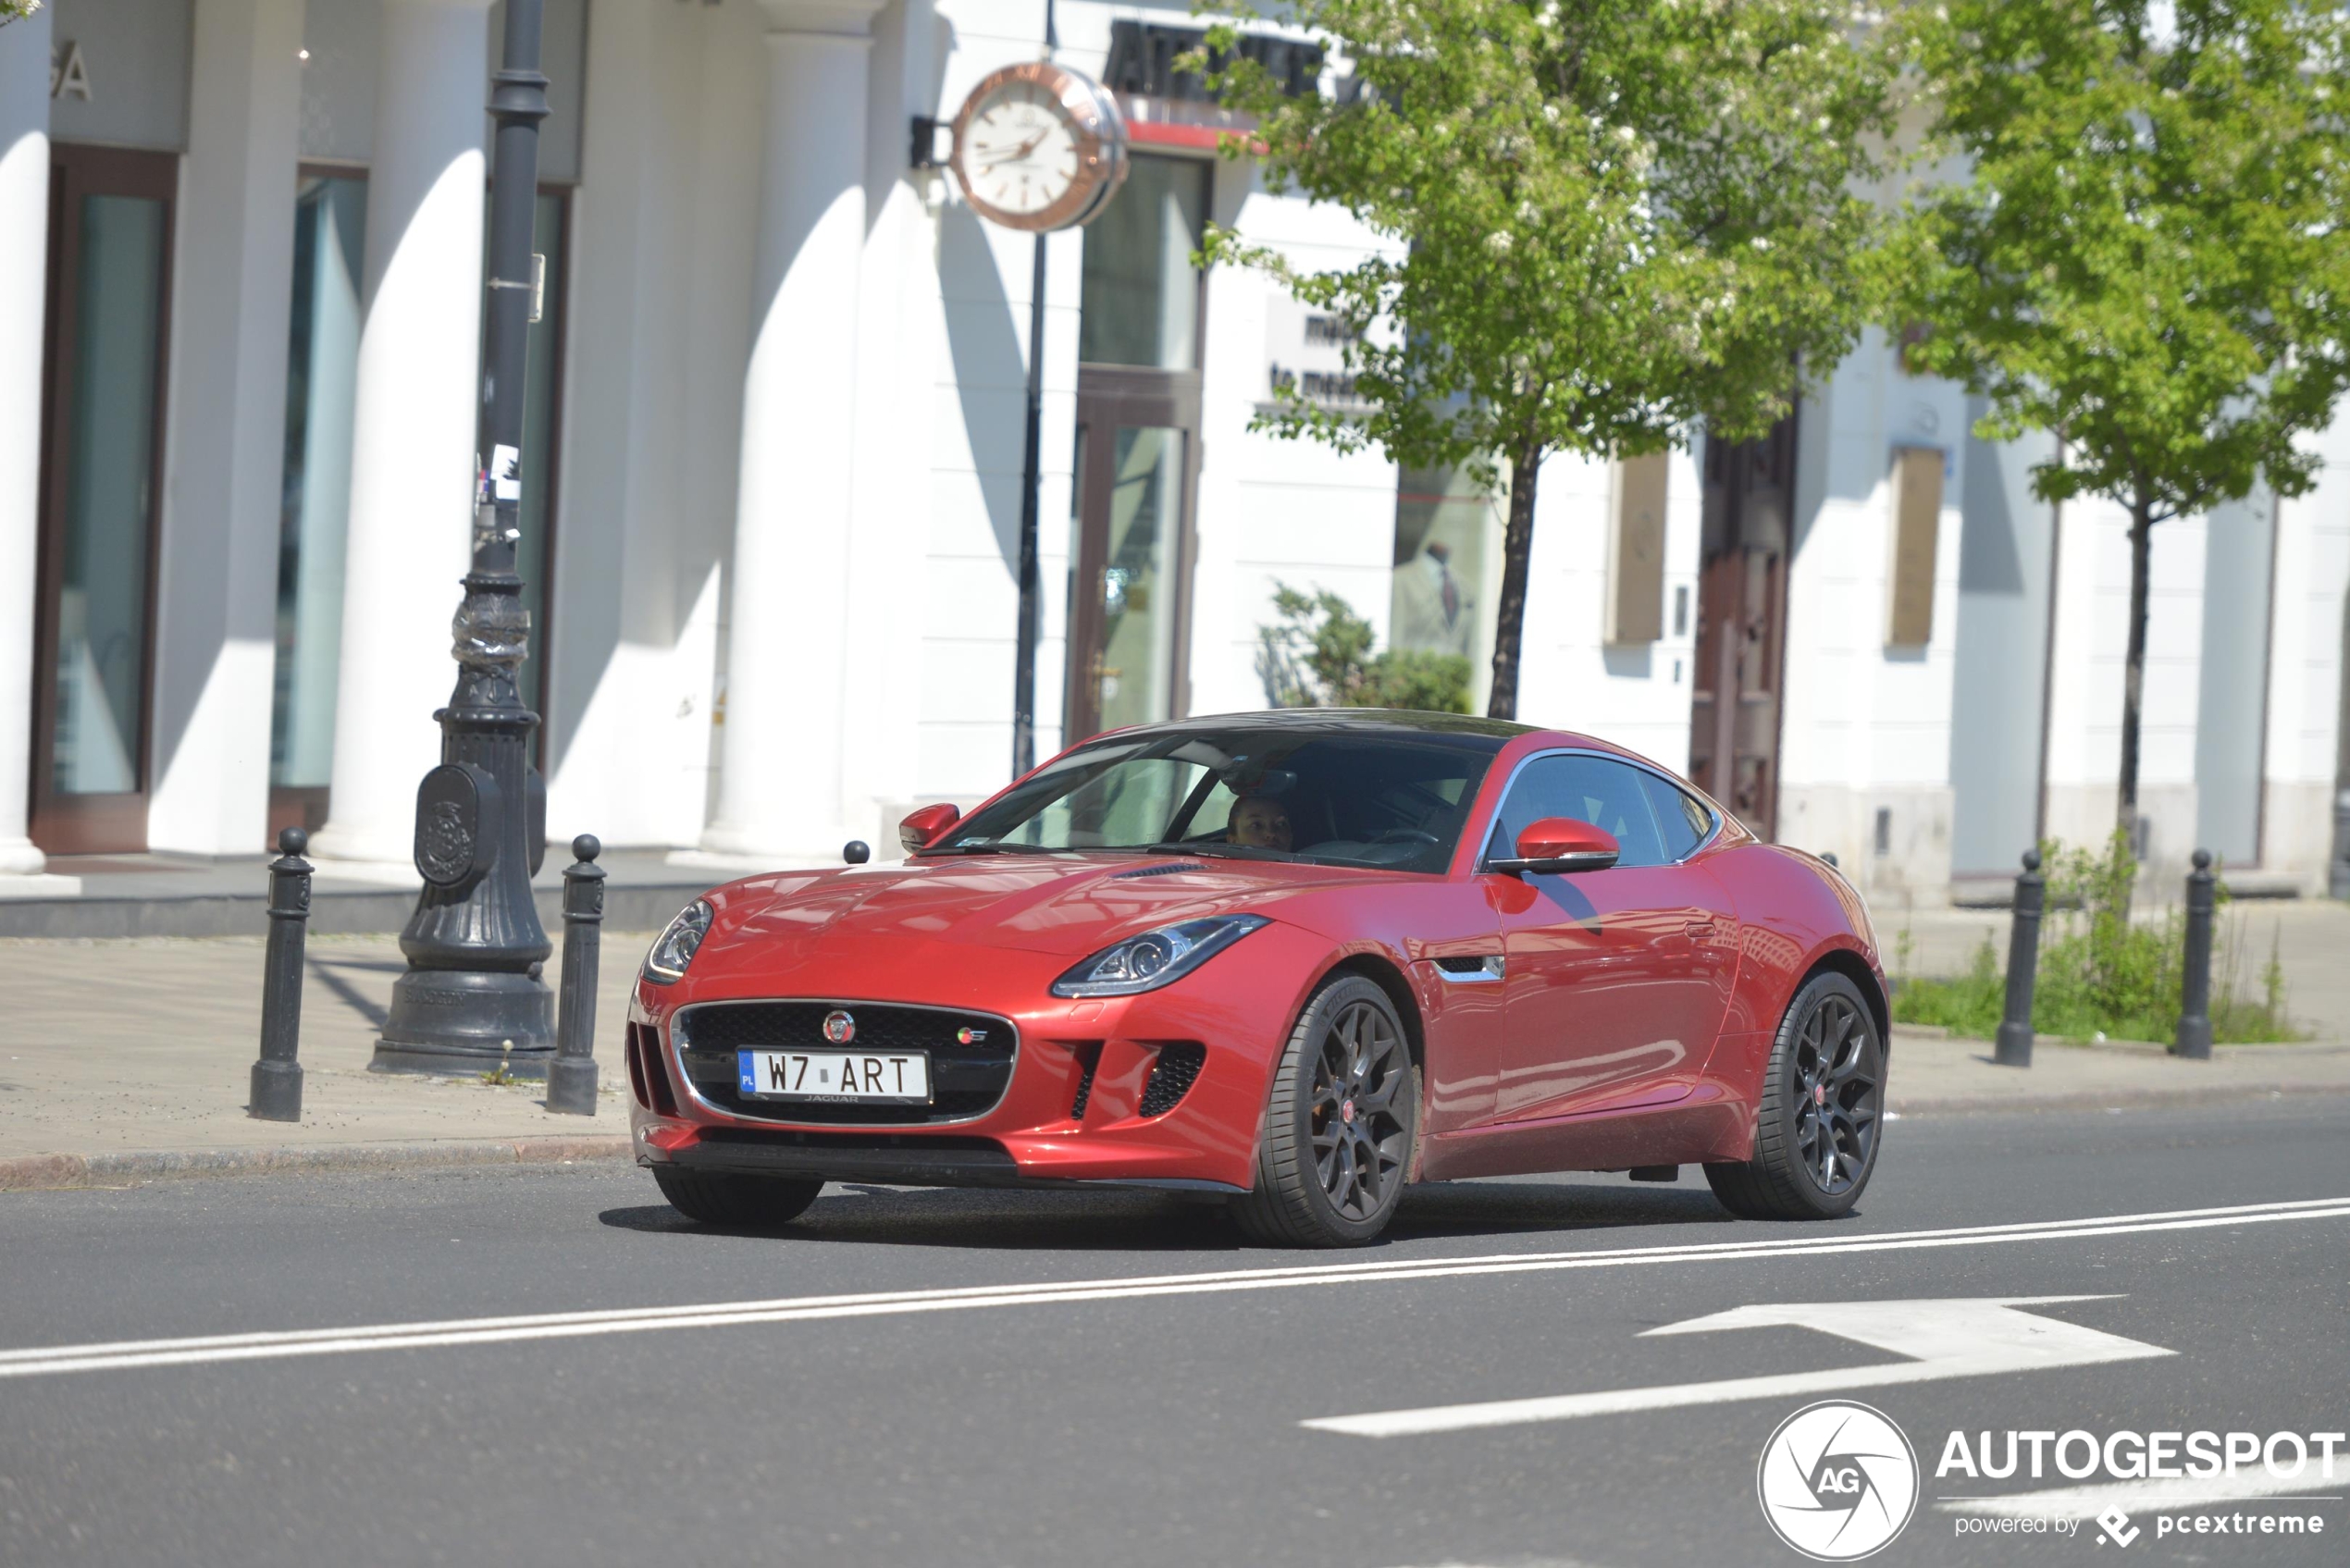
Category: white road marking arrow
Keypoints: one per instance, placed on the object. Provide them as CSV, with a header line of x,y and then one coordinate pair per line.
x,y
1968,1337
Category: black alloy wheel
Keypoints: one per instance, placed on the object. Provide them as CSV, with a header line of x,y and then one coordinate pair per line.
x,y
1339,1124
1837,1090
1822,1106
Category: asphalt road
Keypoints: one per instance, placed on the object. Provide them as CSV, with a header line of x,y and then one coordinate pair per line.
x,y
1132,1423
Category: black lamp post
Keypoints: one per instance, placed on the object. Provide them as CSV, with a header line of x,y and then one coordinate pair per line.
x,y
472,997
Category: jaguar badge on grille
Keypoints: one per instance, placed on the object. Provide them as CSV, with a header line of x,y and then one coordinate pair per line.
x,y
839,1027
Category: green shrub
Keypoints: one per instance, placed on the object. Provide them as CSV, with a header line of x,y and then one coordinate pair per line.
x,y
1319,655
1970,1005
2100,972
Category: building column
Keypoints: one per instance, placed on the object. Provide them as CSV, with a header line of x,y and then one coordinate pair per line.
x,y
411,460
216,634
779,791
24,254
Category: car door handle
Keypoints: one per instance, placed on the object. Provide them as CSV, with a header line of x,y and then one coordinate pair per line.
x,y
1702,930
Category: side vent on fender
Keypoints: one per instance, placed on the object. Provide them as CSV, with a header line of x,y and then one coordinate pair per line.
x,y
1171,1076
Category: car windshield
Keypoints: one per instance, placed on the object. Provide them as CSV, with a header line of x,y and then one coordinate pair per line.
x,y
1332,794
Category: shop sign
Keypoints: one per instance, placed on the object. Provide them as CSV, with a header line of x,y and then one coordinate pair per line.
x,y
68,73
1305,355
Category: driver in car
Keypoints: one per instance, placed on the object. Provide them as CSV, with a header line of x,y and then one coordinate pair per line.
x,y
1260,823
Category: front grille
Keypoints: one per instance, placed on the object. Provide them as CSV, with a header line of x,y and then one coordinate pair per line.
x,y
1085,1084
966,1080
1171,1076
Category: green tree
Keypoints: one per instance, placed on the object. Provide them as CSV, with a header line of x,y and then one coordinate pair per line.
x,y
2149,259
1607,221
16,10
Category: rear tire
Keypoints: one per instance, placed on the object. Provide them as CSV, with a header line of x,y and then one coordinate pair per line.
x,y
1823,1104
1339,1124
736,1202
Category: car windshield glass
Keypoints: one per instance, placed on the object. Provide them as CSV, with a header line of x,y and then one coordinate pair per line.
x,y
1329,795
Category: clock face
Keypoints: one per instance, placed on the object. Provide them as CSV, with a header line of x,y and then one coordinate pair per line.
x,y
1038,147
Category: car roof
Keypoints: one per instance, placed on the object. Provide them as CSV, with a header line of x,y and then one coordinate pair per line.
x,y
1341,720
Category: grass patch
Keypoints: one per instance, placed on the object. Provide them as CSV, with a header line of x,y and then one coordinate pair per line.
x,y
2102,974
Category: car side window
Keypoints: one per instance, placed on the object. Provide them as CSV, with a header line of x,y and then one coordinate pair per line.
x,y
1604,792
1683,822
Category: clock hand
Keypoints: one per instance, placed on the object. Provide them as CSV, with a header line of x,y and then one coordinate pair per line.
x,y
1020,152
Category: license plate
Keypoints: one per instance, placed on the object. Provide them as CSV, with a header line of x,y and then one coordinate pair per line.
x,y
890,1077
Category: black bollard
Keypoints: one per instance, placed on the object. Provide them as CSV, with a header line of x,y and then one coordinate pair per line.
x,y
277,1076
571,1077
2194,991
2014,1046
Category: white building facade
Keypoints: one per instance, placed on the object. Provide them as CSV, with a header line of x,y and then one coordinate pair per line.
x,y
775,474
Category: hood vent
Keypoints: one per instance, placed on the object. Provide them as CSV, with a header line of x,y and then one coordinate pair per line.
x,y
1158,871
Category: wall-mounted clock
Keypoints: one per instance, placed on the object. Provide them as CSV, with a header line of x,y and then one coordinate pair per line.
x,y
1039,146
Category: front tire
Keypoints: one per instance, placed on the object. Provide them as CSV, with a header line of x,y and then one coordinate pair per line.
x,y
1339,1124
1816,1138
736,1202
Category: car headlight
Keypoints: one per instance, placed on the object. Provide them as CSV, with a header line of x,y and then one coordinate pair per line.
x,y
676,946
1155,957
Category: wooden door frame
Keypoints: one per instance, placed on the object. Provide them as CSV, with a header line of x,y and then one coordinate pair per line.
x,y
1748,528
1111,398
73,825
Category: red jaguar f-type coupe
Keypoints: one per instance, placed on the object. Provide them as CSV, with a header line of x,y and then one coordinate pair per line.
x,y
1300,959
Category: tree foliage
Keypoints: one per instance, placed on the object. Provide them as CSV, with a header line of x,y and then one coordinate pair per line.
x,y
2148,257
1604,221
16,10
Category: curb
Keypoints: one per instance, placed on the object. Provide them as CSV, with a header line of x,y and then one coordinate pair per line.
x,y
51,1173
41,1173
2103,1099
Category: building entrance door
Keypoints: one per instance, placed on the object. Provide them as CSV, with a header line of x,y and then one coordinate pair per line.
x,y
1137,469
101,474
1741,639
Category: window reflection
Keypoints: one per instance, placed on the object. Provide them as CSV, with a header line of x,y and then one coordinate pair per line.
x,y
1137,666
102,603
1141,300
322,371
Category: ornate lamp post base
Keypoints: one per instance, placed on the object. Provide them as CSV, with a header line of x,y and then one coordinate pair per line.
x,y
467,1021
472,999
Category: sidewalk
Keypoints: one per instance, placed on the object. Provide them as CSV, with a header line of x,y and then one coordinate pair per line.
x,y
128,1061
125,1050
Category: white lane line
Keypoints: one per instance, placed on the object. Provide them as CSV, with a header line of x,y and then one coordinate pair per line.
x,y
1306,1273
123,1354
1963,1337
2087,1502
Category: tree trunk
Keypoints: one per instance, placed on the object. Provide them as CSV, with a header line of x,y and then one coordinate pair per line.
x,y
2134,668
1517,551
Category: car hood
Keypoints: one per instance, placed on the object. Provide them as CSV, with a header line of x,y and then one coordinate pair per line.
x,y
1068,905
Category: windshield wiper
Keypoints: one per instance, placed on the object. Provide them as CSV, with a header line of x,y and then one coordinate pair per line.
x,y
1220,851
993,849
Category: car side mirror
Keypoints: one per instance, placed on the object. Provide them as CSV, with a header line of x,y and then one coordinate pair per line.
x,y
920,827
1560,843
